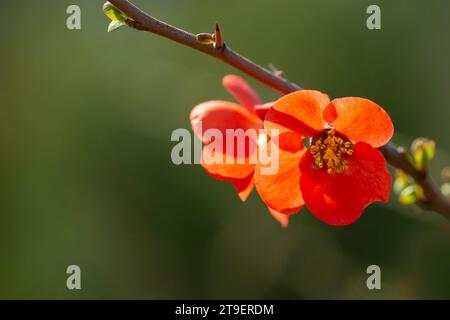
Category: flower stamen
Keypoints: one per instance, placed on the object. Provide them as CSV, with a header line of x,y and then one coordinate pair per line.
x,y
329,149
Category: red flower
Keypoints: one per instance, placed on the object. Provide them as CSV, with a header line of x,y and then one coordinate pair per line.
x,y
342,172
224,115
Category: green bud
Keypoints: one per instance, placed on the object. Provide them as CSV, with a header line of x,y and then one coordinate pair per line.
x,y
411,195
402,181
422,151
114,14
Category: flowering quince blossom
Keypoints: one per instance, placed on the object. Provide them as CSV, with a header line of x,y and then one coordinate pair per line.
x,y
342,172
224,116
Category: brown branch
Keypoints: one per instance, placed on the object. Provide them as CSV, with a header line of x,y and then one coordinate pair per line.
x,y
434,199
144,22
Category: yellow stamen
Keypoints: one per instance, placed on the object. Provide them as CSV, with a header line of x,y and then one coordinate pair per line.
x,y
330,149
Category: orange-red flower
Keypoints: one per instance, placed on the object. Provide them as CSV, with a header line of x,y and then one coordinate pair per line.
x,y
342,172
223,116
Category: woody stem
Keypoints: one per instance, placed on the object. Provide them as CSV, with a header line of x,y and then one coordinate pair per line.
x,y
434,199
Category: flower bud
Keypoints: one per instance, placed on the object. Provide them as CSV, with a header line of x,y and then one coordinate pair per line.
x,y
422,151
411,195
206,38
402,181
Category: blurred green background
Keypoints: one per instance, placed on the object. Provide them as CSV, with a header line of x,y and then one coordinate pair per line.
x,y
85,170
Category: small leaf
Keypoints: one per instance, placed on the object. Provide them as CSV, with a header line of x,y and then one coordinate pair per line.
x,y
114,14
114,25
411,195
421,159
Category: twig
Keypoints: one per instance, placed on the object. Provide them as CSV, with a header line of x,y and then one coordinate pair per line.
x,y
434,199
144,22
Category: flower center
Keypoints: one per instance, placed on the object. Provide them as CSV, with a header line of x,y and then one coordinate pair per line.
x,y
329,149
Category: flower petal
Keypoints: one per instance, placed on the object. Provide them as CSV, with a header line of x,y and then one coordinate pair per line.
x,y
290,141
261,109
299,112
216,162
241,91
360,120
340,199
281,190
221,115
282,218
243,186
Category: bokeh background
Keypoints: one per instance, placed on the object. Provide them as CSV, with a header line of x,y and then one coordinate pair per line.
x,y
85,171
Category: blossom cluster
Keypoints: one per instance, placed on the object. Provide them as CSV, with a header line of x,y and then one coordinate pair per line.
x,y
325,151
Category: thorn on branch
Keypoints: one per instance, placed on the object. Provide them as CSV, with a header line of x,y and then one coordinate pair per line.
x,y
219,44
277,72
